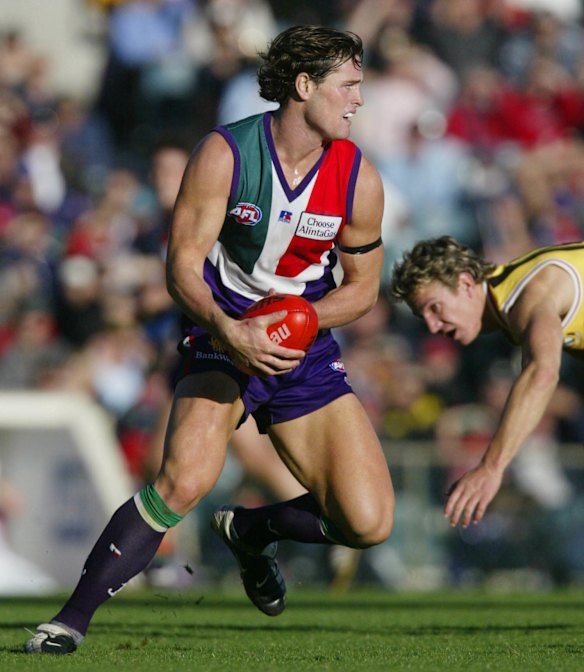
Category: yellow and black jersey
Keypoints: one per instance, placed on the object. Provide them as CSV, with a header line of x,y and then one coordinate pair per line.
x,y
507,281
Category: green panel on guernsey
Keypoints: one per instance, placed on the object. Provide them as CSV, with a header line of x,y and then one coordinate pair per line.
x,y
245,242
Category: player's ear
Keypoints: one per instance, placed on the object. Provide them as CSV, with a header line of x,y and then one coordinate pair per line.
x,y
304,85
466,282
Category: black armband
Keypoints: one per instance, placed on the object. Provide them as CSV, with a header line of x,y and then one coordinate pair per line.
x,y
362,249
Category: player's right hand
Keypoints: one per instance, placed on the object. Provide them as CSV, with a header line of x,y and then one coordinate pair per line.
x,y
251,348
468,498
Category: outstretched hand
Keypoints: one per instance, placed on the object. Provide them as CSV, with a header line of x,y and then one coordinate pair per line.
x,y
470,496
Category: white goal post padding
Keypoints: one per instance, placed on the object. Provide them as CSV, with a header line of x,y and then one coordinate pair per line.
x,y
60,452
91,430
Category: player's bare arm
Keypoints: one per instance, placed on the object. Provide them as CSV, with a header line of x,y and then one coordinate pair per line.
x,y
363,261
536,320
197,221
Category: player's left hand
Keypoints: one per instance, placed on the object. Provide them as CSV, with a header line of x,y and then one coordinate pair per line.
x,y
470,496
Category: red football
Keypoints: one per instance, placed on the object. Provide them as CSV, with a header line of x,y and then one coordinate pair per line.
x,y
300,326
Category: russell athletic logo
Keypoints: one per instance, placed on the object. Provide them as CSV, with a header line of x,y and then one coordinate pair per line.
x,y
246,213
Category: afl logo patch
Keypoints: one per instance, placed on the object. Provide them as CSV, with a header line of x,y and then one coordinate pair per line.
x,y
338,366
246,213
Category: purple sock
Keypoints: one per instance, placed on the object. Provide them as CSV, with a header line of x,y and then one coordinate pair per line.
x,y
297,519
125,548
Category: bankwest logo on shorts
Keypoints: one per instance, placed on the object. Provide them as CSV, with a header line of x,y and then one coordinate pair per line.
x,y
246,213
318,227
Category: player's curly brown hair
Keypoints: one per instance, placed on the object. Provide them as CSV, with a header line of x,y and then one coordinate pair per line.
x,y
438,259
312,49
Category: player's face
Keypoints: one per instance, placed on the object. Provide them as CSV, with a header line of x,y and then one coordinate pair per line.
x,y
335,100
456,313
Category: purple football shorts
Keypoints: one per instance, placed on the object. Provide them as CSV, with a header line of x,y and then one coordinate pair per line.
x,y
318,380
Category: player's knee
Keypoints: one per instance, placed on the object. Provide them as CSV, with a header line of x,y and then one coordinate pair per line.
x,y
373,526
181,494
375,534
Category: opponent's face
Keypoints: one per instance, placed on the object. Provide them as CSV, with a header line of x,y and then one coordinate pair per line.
x,y
456,313
331,103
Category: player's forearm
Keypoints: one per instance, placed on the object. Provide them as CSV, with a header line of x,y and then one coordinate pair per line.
x,y
526,405
345,304
193,296
355,296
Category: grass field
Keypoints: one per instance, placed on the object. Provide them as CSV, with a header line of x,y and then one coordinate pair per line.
x,y
359,630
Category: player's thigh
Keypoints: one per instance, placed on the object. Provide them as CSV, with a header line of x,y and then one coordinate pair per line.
x,y
205,411
336,454
260,461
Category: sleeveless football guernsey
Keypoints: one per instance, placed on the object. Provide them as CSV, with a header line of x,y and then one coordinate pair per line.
x,y
279,236
275,235
507,281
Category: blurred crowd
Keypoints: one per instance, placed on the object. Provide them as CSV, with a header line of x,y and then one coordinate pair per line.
x,y
474,115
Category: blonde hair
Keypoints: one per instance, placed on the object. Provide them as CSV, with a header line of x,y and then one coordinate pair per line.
x,y
438,259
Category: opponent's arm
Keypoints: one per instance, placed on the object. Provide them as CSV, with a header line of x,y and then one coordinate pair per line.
x,y
536,318
358,291
197,220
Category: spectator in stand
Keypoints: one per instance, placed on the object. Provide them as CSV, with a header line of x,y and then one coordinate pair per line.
x,y
489,114
461,33
146,63
430,173
36,356
315,12
27,264
223,40
79,311
167,164
485,114
552,104
545,34
550,181
240,97
391,19
85,143
17,61
410,74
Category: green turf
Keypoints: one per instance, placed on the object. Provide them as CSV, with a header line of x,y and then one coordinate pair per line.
x,y
360,630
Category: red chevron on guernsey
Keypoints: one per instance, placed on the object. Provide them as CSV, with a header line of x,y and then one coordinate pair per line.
x,y
326,211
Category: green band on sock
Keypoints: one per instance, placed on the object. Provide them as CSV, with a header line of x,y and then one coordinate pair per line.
x,y
157,509
332,532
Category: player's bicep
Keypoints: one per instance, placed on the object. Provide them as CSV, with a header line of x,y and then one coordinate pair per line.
x,y
361,251
364,268
540,327
536,316
544,339
364,228
202,201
